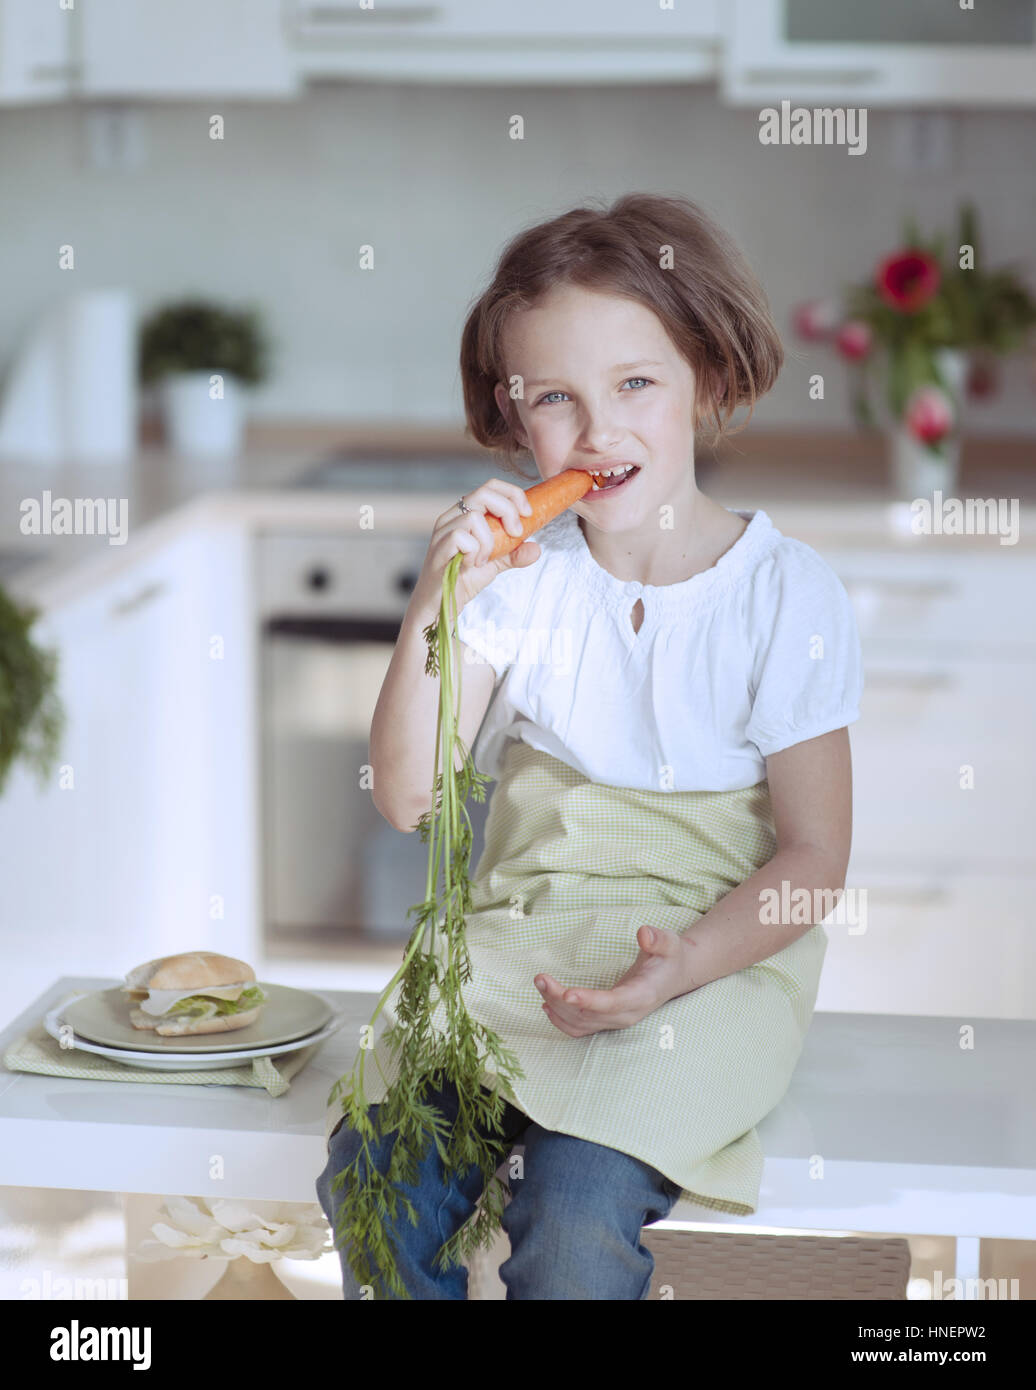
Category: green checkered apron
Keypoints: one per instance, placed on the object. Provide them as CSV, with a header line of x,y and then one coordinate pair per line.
x,y
570,870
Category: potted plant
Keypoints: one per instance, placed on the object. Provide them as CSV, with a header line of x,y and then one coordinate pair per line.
x,y
940,319
32,718
201,356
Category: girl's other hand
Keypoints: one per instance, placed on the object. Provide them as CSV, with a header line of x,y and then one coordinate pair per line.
x,y
657,975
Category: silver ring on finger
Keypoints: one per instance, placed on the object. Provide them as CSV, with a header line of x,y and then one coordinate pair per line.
x,y
463,505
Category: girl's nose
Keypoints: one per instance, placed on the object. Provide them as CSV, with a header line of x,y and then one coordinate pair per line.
x,y
600,433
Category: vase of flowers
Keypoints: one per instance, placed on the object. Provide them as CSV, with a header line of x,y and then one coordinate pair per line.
x,y
936,322
251,1236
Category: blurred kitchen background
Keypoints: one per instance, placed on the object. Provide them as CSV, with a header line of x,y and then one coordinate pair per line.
x,y
305,199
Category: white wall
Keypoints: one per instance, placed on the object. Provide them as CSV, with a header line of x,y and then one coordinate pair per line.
x,y
429,176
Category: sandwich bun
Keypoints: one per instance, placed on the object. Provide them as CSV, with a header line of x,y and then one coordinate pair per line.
x,y
154,988
190,970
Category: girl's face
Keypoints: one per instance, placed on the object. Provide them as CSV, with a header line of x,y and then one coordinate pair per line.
x,y
602,385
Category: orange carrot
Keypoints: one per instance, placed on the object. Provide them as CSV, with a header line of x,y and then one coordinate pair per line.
x,y
549,499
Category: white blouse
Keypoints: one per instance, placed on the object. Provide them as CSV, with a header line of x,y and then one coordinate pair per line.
x,y
756,654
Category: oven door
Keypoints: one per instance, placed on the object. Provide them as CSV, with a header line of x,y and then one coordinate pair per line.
x,y
333,867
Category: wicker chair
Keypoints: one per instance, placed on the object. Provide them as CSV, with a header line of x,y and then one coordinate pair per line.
x,y
700,1265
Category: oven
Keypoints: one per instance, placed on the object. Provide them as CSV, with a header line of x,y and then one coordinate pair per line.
x,y
330,608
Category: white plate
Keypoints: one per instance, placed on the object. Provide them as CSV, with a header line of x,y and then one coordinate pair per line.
x,y
188,1061
103,1016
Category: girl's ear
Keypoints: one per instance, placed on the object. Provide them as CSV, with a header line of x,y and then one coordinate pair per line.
x,y
711,392
509,411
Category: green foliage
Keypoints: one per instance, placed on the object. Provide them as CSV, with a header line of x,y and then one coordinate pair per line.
x,y
426,1056
195,336
32,719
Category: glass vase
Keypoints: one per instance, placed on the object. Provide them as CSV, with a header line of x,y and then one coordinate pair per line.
x,y
917,471
246,1280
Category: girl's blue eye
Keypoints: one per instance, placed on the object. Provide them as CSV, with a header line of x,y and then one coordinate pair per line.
x,y
544,400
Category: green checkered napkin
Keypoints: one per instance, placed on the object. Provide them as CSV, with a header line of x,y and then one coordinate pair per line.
x,y
37,1051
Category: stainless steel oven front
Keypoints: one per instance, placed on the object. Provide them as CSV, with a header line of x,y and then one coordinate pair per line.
x,y
334,870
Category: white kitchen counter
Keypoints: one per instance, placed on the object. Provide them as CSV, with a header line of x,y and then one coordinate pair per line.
x,y
168,496
888,1127
122,1136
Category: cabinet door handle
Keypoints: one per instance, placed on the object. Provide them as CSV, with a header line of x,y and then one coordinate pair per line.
x,y
907,680
48,72
806,78
137,600
904,587
311,18
920,896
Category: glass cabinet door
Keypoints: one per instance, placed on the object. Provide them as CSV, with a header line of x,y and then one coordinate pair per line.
x,y
883,52
919,22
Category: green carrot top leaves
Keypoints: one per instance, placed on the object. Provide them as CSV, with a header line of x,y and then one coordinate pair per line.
x,y
435,965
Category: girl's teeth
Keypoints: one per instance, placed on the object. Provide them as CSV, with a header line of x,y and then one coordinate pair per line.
x,y
611,473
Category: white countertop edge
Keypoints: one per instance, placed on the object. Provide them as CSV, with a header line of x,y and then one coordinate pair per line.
x,y
915,1198
56,581
115,1156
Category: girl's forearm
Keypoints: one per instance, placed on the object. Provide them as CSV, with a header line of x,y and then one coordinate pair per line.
x,y
740,931
402,739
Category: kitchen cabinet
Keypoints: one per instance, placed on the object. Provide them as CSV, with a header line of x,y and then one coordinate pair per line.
x,y
946,874
971,605
922,721
142,842
950,668
951,944
884,53
149,48
36,48
539,40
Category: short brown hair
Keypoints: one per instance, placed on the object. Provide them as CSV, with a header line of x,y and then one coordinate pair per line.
x,y
709,301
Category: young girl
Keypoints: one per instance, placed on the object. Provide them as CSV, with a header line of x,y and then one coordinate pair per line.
x,y
660,688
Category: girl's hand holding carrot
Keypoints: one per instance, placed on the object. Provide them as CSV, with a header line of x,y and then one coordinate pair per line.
x,y
490,533
469,533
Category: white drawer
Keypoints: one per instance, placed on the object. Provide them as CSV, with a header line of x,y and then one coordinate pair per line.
x,y
958,945
921,720
957,600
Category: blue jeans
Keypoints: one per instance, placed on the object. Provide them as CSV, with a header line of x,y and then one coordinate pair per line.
x,y
574,1218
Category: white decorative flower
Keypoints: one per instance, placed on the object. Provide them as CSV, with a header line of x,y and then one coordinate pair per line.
x,y
222,1229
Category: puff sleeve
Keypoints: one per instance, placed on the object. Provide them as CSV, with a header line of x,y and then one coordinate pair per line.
x,y
806,673
490,623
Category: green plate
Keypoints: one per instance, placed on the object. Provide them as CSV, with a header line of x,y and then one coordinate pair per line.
x,y
103,1017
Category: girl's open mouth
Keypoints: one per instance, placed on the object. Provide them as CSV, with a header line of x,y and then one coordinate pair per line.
x,y
613,484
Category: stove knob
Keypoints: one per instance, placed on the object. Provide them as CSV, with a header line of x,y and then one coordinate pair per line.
x,y
406,581
318,578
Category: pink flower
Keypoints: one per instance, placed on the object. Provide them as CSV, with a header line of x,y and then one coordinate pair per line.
x,y
815,319
929,415
907,280
854,339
